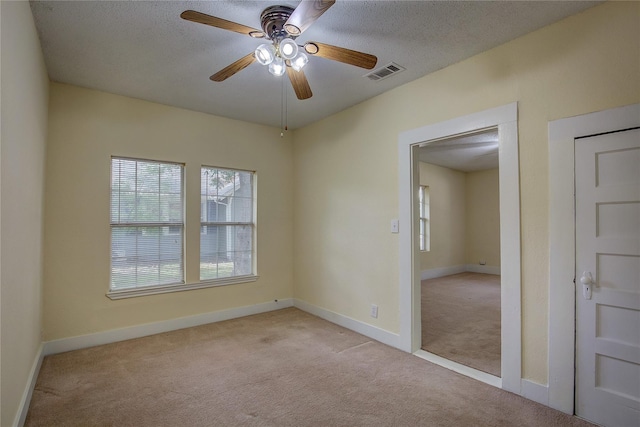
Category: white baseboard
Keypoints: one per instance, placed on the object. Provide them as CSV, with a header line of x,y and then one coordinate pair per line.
x,y
373,332
529,389
21,416
484,269
534,391
115,335
442,271
433,273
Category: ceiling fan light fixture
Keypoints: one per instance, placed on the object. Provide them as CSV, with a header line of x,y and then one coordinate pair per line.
x,y
265,54
281,25
299,61
277,67
288,48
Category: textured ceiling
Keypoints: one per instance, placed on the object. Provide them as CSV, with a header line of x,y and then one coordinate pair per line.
x,y
468,153
143,49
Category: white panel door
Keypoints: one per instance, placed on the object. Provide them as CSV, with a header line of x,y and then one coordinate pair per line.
x,y
608,278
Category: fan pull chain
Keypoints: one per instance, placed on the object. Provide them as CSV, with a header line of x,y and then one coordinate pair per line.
x,y
282,97
283,110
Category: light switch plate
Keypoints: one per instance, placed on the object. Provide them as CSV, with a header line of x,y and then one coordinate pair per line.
x,y
395,226
374,311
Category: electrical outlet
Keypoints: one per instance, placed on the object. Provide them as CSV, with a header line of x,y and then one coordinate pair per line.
x,y
374,311
483,262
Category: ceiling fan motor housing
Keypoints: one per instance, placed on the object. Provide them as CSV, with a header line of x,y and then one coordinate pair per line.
x,y
273,19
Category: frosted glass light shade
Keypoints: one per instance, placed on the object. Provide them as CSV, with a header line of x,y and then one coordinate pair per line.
x,y
299,61
277,67
265,54
288,49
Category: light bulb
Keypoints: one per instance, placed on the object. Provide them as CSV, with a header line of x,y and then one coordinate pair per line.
x,y
265,53
299,61
288,48
277,67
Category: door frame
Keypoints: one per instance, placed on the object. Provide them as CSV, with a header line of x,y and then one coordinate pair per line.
x,y
505,118
562,250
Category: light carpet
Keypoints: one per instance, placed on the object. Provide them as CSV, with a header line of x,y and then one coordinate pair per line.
x,y
283,368
461,319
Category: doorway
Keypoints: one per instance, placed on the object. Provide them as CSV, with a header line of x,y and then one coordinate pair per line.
x,y
504,119
460,249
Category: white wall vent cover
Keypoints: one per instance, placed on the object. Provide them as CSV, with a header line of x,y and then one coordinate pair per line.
x,y
384,72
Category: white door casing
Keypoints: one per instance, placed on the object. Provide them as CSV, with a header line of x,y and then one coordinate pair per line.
x,y
607,174
562,248
505,119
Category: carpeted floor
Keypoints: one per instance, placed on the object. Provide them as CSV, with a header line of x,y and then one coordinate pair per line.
x,y
283,368
461,319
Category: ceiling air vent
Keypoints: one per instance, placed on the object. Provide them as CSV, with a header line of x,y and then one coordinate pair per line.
x,y
384,72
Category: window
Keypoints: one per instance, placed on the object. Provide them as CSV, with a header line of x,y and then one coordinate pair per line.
x,y
147,226
423,200
227,223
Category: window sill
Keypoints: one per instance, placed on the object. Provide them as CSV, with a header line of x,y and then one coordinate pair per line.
x,y
153,290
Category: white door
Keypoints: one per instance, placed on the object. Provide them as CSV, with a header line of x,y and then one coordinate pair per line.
x,y
608,278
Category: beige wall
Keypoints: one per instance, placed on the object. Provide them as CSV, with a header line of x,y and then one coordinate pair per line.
x,y
86,128
448,211
345,258
482,238
23,140
465,217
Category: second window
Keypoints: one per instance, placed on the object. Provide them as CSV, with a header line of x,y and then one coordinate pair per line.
x,y
227,223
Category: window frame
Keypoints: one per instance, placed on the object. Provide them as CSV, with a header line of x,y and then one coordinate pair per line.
x,y
242,278
155,288
424,219
188,265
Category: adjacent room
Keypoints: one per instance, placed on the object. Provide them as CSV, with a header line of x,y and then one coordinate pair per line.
x,y
203,213
459,241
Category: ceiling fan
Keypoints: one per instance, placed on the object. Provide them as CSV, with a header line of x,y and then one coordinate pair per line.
x,y
281,25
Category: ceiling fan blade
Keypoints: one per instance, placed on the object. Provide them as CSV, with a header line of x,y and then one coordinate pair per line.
x,y
230,70
306,14
203,18
299,83
340,54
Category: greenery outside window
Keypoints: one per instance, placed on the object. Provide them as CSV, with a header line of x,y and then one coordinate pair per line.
x,y
147,226
227,224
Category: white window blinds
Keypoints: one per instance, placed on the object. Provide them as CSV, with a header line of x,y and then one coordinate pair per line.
x,y
227,223
147,224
